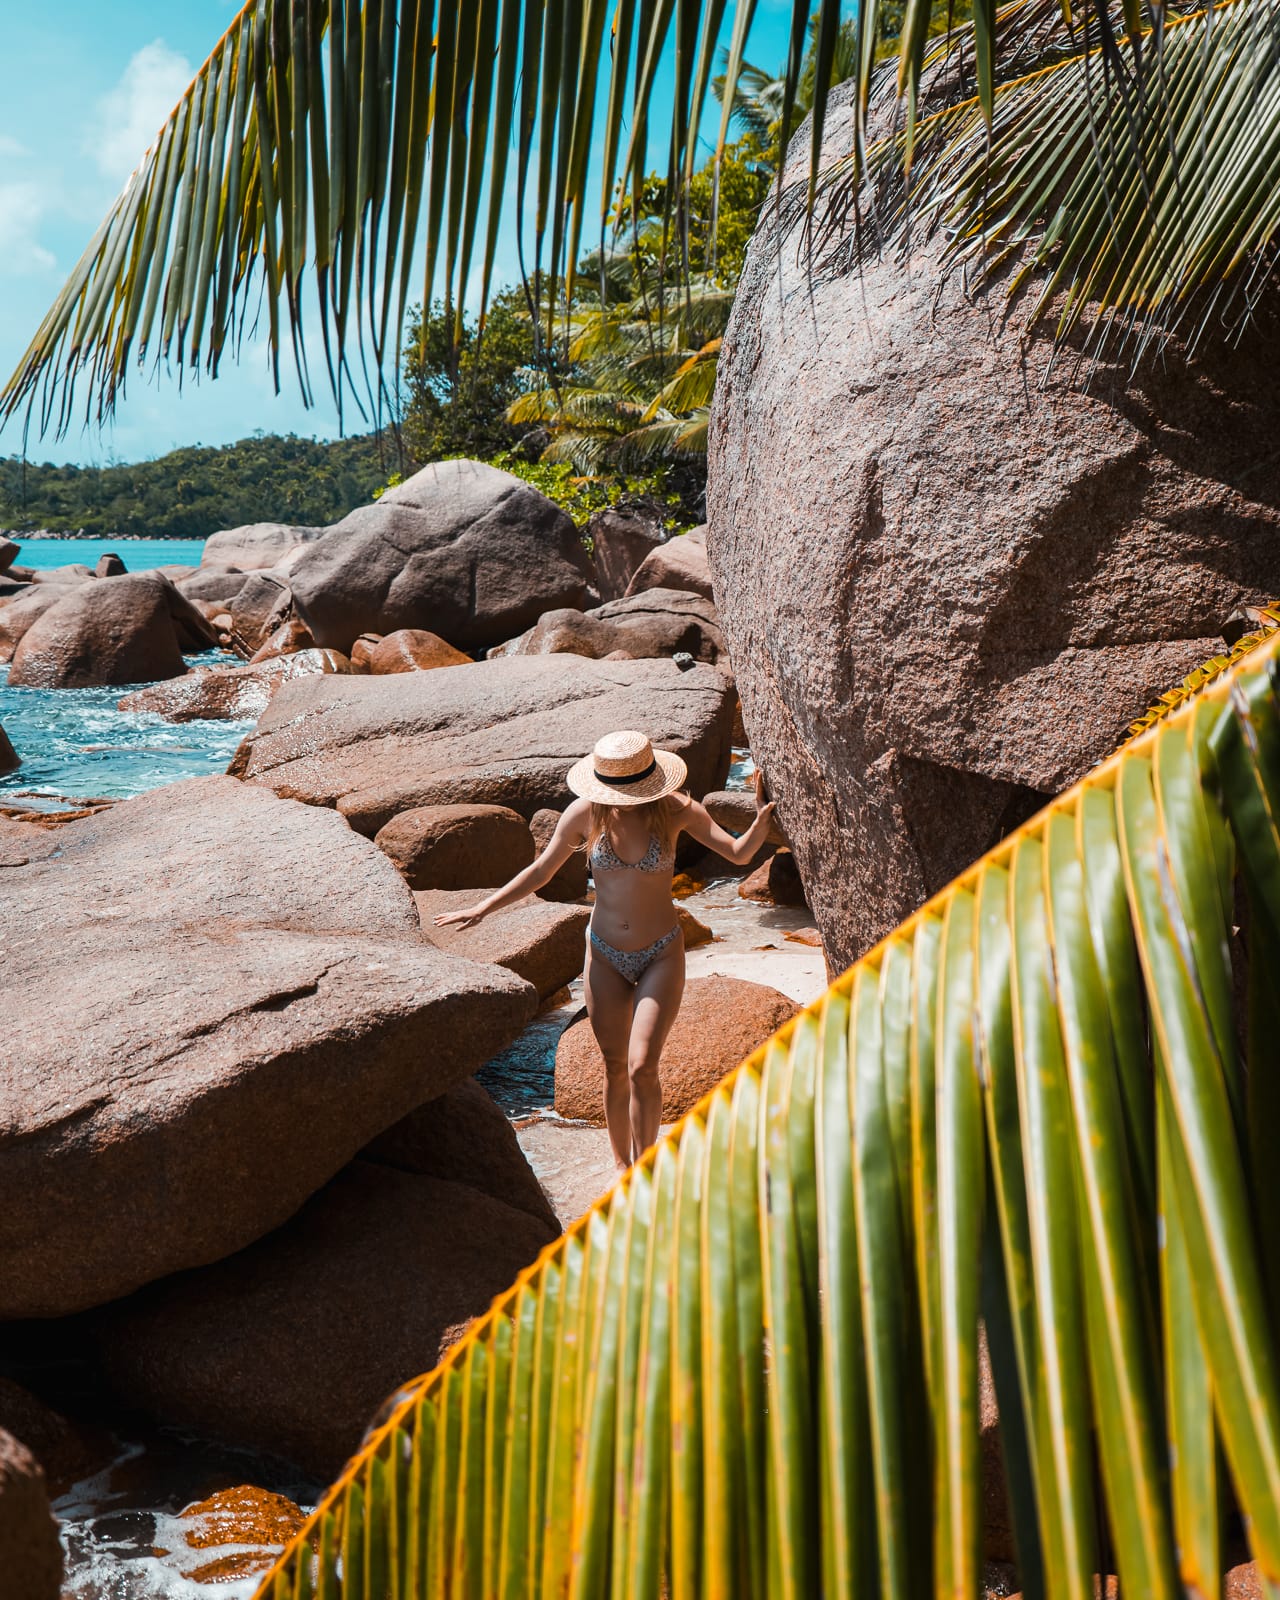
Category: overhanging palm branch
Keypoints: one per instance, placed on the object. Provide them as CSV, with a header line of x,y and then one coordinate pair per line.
x,y
324,140
1044,1106
1136,182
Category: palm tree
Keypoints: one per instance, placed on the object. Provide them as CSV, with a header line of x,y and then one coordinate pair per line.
x,y
753,1369
1045,1104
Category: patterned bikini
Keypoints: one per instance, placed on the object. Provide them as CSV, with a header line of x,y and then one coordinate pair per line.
x,y
632,964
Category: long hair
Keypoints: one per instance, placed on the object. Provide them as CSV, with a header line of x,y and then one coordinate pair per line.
x,y
659,814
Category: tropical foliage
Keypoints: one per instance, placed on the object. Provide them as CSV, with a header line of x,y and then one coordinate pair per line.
x,y
1126,152
1043,1108
191,493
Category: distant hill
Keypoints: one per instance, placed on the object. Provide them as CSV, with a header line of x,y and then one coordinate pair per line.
x,y
191,493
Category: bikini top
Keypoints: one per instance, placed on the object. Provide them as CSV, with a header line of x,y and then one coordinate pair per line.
x,y
655,859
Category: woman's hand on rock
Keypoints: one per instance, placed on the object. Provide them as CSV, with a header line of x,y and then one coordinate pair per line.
x,y
763,802
458,919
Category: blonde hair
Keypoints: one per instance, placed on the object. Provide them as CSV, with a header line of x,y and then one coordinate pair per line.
x,y
659,814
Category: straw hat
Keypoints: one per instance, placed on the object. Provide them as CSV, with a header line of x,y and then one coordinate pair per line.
x,y
625,770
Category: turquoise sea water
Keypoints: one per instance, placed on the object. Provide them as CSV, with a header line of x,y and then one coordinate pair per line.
x,y
74,742
138,555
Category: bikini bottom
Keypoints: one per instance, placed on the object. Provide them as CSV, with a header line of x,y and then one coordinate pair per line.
x,y
632,964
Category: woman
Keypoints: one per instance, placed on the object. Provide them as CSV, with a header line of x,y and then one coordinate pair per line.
x,y
628,816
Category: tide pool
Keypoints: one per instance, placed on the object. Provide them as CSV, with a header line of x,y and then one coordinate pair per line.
x,y
138,555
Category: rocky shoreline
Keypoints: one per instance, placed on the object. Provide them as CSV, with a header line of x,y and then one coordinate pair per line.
x,y
244,1163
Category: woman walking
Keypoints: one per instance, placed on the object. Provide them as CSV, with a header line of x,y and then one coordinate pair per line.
x,y
628,816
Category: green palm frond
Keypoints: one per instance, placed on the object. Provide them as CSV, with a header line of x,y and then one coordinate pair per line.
x,y
323,141
692,387
1042,1107
1125,153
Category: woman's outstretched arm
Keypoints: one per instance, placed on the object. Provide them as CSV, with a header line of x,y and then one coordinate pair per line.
x,y
697,821
571,830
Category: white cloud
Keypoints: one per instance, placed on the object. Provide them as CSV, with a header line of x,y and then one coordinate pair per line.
x,y
130,115
22,209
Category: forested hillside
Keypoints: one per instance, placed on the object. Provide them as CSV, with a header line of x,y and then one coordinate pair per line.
x,y
191,493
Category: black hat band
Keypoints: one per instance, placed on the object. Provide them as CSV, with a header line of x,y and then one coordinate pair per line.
x,y
631,777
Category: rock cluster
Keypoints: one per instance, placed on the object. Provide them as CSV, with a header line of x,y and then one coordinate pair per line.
x,y
234,1042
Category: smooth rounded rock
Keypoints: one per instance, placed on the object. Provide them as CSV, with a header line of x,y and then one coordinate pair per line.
x,y
495,733
464,550
457,847
213,999
570,881
464,1136
131,629
25,608
290,637
720,1022
9,550
775,882
10,760
230,693
657,622
256,545
680,563
542,942
260,606
293,1345
621,538
414,650
30,1553
109,566
735,811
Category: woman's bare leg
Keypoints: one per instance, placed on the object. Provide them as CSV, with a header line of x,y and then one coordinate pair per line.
x,y
609,1000
657,1001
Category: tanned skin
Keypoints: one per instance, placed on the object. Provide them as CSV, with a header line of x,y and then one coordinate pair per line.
x,y
632,910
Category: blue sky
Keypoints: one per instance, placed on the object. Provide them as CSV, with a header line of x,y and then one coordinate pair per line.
x,y
84,86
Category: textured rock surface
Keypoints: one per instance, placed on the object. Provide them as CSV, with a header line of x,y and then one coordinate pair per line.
x,y
292,1345
464,1136
414,650
231,693
621,537
462,549
681,563
542,942
259,607
256,545
131,629
22,841
721,1022
24,609
10,760
457,847
496,732
570,881
213,999
109,566
657,622
30,1554
936,623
